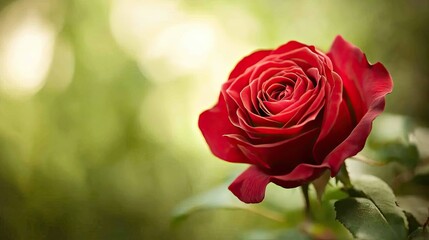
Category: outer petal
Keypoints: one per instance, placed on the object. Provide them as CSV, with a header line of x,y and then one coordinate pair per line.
x,y
333,118
250,186
342,127
278,157
303,173
248,61
290,46
366,85
214,123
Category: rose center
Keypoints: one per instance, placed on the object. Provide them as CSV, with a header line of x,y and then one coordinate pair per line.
x,y
278,88
279,91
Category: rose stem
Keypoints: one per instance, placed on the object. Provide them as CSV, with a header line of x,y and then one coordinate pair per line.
x,y
307,210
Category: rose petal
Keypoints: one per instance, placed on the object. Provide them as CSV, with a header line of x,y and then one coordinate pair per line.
x,y
289,46
366,85
214,123
332,118
300,112
278,157
314,73
248,61
303,173
250,186
343,126
264,130
355,142
304,57
255,120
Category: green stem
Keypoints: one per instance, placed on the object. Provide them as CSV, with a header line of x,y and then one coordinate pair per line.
x,y
307,210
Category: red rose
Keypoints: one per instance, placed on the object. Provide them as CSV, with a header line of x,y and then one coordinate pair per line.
x,y
294,112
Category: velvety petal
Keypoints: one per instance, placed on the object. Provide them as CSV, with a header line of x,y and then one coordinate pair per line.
x,y
350,63
355,142
327,61
367,86
278,157
231,91
247,101
298,112
288,109
291,46
304,57
303,173
262,72
373,80
259,69
290,70
331,119
214,123
267,131
248,61
233,88
313,108
314,73
250,186
343,126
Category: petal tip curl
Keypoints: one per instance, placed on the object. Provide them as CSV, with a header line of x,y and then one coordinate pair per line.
x,y
248,61
250,186
214,123
371,83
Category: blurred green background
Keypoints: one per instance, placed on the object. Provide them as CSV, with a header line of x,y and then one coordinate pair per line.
x,y
99,102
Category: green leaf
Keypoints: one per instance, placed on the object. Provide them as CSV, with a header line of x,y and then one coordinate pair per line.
x,y
371,210
364,220
382,196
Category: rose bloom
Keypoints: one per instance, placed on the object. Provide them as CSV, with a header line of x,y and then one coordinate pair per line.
x,y
294,112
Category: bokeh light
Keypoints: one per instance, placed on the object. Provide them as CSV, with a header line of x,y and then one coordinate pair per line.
x,y
25,50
